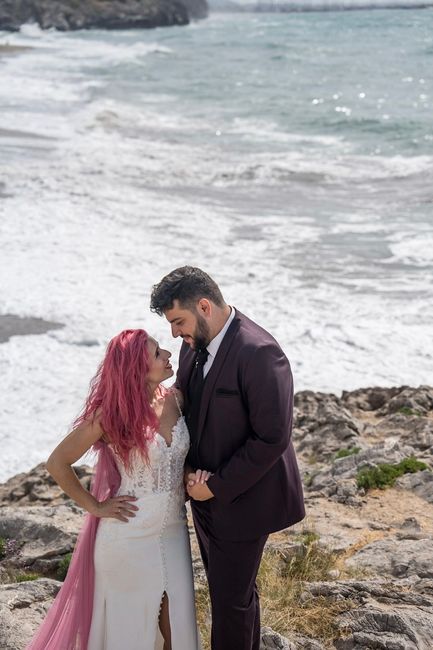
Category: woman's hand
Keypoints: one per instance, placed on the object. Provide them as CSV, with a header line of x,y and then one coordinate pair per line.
x,y
119,508
199,476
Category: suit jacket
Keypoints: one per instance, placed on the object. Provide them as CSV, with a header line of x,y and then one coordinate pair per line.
x,y
244,433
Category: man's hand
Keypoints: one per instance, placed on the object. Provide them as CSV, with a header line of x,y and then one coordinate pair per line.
x,y
196,485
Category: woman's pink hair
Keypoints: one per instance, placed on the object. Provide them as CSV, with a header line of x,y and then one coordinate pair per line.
x,y
119,396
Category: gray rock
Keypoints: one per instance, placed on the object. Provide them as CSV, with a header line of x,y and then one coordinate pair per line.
x,y
36,487
397,557
421,483
338,479
418,400
382,615
323,425
22,609
273,641
44,534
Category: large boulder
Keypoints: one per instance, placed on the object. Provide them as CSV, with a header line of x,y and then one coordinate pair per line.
x,y
42,535
22,609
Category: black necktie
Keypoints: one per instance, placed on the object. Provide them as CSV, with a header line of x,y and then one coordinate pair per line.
x,y
195,390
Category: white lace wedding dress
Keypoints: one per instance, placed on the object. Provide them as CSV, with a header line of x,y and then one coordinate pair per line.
x,y
136,562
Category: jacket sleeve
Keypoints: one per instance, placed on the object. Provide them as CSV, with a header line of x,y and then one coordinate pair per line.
x,y
268,394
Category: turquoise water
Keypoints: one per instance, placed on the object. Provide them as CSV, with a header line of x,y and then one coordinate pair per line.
x,y
290,155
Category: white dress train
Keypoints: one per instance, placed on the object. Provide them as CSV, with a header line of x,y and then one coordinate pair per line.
x,y
137,562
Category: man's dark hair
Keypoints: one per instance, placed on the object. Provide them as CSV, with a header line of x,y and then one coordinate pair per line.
x,y
186,284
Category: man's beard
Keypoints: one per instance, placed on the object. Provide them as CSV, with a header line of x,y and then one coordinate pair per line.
x,y
201,335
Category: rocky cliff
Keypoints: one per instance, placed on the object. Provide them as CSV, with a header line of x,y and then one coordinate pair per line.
x,y
357,574
67,15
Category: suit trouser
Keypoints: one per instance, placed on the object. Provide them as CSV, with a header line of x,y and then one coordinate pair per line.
x,y
231,569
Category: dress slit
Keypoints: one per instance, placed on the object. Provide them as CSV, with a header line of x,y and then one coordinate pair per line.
x,y
169,630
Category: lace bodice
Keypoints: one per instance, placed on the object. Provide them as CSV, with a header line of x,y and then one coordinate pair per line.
x,y
164,473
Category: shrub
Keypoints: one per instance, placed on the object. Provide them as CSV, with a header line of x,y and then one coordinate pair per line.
x,y
26,577
2,548
63,567
343,453
385,475
406,410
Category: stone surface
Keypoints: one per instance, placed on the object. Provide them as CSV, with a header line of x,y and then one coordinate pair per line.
x,y
398,556
22,608
384,537
67,15
38,488
383,615
43,534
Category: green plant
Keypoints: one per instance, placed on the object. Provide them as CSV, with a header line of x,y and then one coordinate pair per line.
x,y
63,567
385,474
26,577
351,451
2,548
406,410
308,537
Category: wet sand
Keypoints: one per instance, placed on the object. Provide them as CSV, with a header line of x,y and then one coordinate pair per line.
x,y
11,325
6,49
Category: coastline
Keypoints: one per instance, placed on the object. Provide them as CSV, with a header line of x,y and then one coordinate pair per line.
x,y
12,325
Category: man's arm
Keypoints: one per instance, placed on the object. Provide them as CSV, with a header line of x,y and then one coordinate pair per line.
x,y
269,399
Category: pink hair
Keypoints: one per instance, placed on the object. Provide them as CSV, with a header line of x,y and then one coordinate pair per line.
x,y
119,396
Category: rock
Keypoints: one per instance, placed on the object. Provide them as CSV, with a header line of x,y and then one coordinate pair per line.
x,y
397,557
410,401
382,615
38,488
22,609
44,535
338,479
273,641
66,15
322,425
420,483
368,399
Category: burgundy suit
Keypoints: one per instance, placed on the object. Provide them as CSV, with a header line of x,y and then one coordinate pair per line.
x,y
244,438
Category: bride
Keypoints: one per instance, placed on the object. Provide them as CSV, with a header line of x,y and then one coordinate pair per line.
x,y
130,582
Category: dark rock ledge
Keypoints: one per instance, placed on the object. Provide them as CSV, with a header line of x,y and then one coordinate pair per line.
x,y
66,15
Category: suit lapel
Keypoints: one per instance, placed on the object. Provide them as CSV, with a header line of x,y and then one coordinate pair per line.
x,y
215,370
186,361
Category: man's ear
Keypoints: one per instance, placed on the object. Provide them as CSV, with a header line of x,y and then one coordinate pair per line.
x,y
204,307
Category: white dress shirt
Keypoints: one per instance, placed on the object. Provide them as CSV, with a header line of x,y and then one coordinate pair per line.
x,y
214,345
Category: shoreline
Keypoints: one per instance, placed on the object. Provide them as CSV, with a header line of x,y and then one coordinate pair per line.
x,y
12,325
6,49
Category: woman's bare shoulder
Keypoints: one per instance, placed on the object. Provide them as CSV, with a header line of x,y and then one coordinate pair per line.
x,y
174,395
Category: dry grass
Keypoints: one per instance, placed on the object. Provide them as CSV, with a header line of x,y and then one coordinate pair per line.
x,y
281,581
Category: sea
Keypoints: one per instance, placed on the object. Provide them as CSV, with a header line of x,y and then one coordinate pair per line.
x,y
290,155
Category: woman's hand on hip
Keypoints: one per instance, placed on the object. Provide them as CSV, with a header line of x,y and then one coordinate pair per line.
x,y
119,508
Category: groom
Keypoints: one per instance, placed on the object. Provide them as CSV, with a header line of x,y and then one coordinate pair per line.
x,y
238,393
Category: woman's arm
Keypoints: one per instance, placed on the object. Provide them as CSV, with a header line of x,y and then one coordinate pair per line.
x,y
59,465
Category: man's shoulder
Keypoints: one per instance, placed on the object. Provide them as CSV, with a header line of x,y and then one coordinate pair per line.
x,y
252,335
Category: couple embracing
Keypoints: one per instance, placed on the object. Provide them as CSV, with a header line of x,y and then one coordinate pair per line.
x,y
220,436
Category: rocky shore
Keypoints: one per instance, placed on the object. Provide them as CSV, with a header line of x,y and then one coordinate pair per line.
x,y
360,565
65,15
